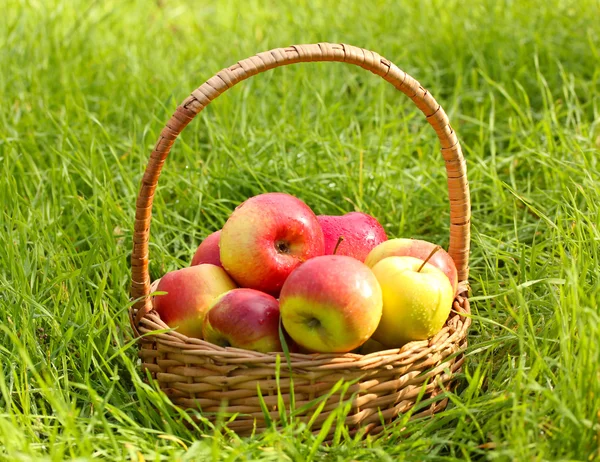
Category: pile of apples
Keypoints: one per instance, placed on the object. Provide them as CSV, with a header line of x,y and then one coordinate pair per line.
x,y
334,282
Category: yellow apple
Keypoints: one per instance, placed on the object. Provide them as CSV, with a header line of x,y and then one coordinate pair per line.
x,y
418,249
415,303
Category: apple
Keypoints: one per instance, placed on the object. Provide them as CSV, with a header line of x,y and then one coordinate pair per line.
x,y
361,233
417,298
244,318
331,304
208,251
190,291
418,249
266,238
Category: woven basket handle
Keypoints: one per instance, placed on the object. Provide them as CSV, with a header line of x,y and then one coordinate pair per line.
x,y
455,164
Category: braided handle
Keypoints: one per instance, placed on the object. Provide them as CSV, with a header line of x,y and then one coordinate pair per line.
x,y
460,209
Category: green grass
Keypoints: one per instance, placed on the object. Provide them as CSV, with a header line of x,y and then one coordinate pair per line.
x,y
85,88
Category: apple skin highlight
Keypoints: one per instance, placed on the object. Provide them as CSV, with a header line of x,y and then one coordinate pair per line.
x,y
266,238
331,304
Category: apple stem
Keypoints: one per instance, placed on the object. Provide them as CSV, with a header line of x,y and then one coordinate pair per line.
x,y
436,248
339,241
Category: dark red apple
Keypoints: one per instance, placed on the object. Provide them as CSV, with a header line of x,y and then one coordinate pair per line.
x,y
361,234
244,318
208,251
266,238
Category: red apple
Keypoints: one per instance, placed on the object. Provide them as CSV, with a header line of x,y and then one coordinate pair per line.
x,y
361,234
208,251
244,318
418,249
266,238
331,304
190,291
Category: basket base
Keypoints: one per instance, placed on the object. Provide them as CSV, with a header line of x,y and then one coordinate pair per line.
x,y
370,392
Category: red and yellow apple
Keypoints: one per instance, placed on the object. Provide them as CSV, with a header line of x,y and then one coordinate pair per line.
x,y
208,251
266,238
190,291
331,304
244,318
361,233
418,249
417,298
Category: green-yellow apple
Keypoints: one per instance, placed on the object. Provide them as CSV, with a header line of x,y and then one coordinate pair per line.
x,y
208,251
331,304
417,298
190,291
244,318
266,238
418,249
361,233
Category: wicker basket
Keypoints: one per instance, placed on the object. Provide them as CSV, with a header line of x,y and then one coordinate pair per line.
x,y
196,374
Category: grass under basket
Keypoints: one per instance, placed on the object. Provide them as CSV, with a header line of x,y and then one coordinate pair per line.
x,y
85,87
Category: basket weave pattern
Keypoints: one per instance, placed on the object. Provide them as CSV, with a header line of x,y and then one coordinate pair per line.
x,y
197,374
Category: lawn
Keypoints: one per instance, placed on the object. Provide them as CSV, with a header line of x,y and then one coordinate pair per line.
x,y
86,87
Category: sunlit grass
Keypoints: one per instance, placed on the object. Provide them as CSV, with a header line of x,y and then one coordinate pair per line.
x,y
85,88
